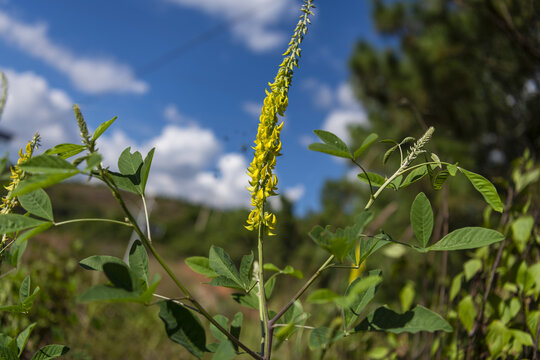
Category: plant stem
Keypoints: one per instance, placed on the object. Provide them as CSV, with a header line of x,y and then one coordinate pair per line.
x,y
146,218
165,267
301,291
92,219
263,308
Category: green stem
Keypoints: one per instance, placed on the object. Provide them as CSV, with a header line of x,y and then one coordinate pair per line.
x,y
92,219
263,308
146,218
302,290
165,267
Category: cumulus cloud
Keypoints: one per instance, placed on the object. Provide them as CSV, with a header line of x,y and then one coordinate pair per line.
x,y
344,110
251,21
88,74
188,163
252,108
347,112
173,115
33,106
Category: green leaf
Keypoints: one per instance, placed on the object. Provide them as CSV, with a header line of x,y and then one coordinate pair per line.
x,y
414,175
485,188
467,312
370,139
145,169
271,267
388,153
322,296
9,352
224,351
34,182
319,338
124,182
101,128
221,263
92,161
225,282
359,286
422,219
248,300
119,275
471,267
246,267
236,327
96,262
65,150
289,270
376,179
362,299
50,352
183,328
130,163
524,278
38,203
467,238
456,286
371,245
223,321
331,139
10,223
47,164
23,336
201,265
521,231
497,337
532,322
138,262
293,316
440,179
406,296
24,289
452,169
330,150
417,319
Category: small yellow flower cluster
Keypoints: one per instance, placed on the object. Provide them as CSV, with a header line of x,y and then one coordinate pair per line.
x,y
263,183
8,202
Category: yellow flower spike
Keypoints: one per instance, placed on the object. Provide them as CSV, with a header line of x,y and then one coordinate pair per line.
x,y
8,203
263,182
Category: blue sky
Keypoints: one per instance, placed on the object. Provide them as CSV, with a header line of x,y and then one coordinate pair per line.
x,y
185,76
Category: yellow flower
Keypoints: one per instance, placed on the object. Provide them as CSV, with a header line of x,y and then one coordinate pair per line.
x,y
17,174
263,183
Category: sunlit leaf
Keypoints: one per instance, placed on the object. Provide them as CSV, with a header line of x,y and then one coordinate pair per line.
x,y
467,238
38,203
422,218
485,188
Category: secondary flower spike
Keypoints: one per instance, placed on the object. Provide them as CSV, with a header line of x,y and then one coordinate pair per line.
x,y
263,182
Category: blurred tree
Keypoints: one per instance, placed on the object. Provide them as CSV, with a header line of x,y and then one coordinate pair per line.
x,y
471,68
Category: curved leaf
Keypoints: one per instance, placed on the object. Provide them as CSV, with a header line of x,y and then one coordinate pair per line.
x,y
467,238
38,203
370,139
376,179
50,352
10,223
485,188
412,321
422,218
183,328
328,149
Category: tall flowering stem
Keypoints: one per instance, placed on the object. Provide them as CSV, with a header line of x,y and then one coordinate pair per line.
x,y
17,174
263,182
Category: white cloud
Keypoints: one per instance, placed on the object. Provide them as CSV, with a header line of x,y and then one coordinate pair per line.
x,y
251,21
88,74
173,115
323,95
33,106
344,109
252,108
295,193
180,168
346,112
